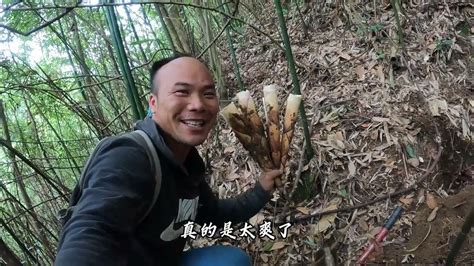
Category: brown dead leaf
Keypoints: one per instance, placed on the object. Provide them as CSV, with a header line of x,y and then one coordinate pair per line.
x,y
303,210
380,74
415,131
331,126
264,258
335,141
437,105
324,223
352,168
256,219
383,146
278,245
414,162
431,201
232,177
360,71
344,55
406,201
432,215
327,220
374,134
380,119
466,132
229,149
363,224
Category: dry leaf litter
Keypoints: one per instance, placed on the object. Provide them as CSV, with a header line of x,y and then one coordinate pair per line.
x,y
377,112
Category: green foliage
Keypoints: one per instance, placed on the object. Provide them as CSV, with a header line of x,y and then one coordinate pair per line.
x,y
410,151
343,192
464,28
375,27
267,247
443,44
380,55
311,243
307,187
372,28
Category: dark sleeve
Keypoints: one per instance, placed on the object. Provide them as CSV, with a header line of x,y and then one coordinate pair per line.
x,y
117,190
235,210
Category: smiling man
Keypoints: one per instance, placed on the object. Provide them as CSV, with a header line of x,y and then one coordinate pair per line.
x,y
119,219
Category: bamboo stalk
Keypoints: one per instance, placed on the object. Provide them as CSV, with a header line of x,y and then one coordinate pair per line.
x,y
117,41
296,84
272,111
291,116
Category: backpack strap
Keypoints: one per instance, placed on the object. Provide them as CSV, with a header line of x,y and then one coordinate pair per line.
x,y
144,140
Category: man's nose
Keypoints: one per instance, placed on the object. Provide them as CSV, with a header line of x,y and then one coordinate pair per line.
x,y
196,103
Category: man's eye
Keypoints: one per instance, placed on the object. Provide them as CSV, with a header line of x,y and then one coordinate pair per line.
x,y
181,92
210,94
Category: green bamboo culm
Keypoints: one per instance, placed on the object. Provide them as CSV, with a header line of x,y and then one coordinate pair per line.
x,y
396,11
131,90
230,43
165,28
234,60
466,228
296,84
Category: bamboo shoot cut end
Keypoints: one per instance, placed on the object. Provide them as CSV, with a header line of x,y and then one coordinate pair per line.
x,y
270,97
244,99
292,105
229,110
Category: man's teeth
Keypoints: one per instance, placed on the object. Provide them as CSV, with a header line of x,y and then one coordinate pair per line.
x,y
194,123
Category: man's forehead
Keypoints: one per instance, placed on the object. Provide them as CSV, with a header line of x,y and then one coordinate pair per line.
x,y
184,68
183,64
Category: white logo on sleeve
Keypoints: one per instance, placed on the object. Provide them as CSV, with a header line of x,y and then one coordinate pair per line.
x,y
187,210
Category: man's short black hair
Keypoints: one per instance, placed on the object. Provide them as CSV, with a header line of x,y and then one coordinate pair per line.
x,y
160,63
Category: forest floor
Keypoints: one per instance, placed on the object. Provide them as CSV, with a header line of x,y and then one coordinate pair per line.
x,y
384,118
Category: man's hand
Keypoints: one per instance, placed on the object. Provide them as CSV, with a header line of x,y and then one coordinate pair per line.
x,y
267,179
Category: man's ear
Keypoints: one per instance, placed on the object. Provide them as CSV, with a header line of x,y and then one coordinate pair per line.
x,y
152,101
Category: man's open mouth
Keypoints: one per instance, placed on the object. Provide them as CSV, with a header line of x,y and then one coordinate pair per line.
x,y
195,123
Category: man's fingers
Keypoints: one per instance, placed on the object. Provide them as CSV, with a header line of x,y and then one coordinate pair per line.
x,y
274,173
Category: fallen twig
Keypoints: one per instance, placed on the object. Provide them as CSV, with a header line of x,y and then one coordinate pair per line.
x,y
422,241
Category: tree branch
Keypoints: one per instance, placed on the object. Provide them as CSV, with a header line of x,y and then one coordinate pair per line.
x,y
152,2
14,151
220,32
46,24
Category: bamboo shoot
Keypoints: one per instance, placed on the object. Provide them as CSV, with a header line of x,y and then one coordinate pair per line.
x,y
270,99
291,116
252,141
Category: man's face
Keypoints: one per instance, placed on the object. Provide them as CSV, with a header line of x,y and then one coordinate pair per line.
x,y
185,100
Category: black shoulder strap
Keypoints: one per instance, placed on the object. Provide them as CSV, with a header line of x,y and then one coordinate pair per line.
x,y
144,140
